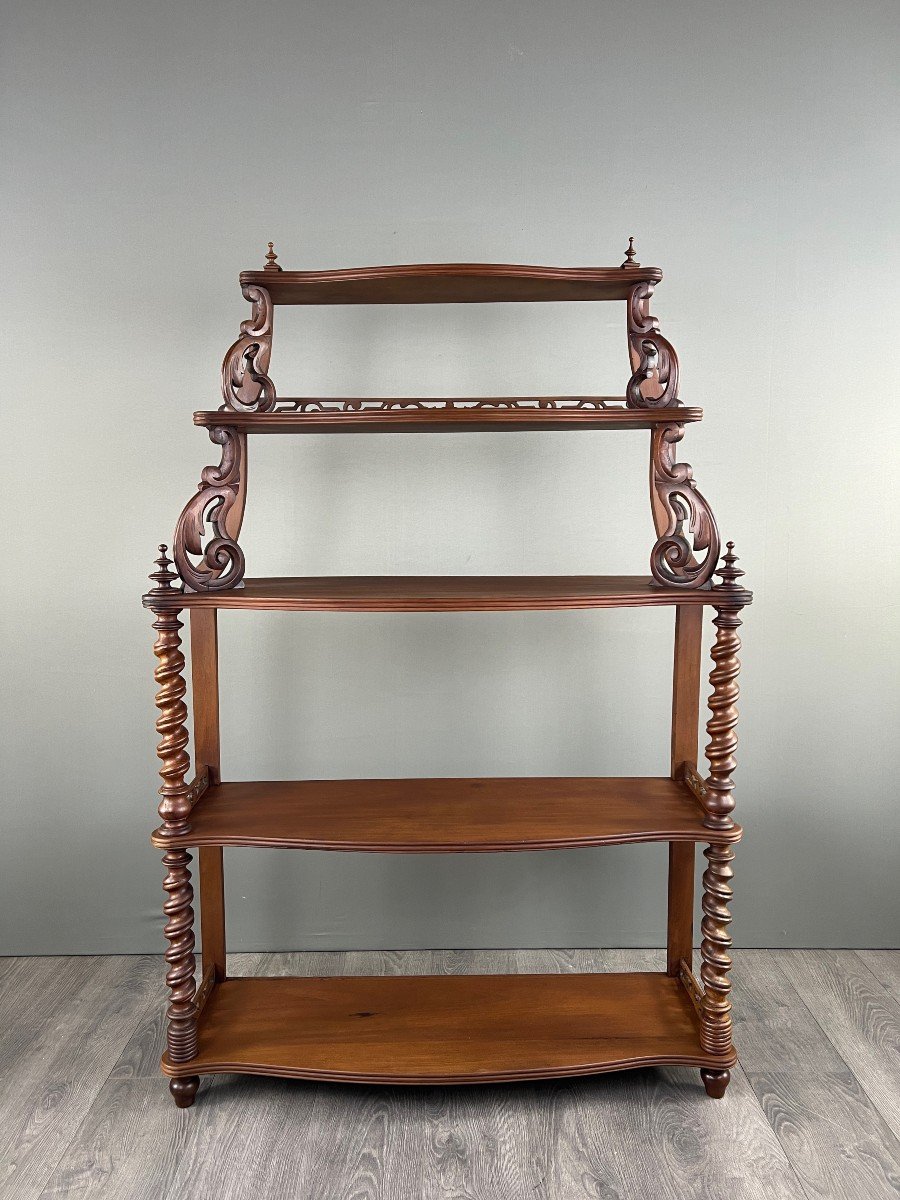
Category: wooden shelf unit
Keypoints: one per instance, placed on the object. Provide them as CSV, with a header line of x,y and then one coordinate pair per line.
x,y
470,1029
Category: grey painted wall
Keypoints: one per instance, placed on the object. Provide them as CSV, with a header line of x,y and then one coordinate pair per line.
x,y
151,149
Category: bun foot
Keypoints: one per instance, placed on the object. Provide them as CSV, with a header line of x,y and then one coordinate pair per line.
x,y
184,1090
715,1082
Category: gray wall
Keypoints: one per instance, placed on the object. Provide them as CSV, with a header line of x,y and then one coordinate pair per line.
x,y
150,151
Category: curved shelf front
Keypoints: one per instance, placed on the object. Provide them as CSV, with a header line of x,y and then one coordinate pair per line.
x,y
450,283
461,416
446,1029
439,816
442,593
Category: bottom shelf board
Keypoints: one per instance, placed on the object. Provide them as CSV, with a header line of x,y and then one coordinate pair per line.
x,y
443,1029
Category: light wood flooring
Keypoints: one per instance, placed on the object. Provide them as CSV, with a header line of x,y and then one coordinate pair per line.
x,y
812,1111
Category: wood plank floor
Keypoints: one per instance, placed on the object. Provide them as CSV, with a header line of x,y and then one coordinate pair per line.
x,y
812,1111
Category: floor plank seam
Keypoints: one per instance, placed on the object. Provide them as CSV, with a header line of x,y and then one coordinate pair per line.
x,y
144,1012
852,1074
882,986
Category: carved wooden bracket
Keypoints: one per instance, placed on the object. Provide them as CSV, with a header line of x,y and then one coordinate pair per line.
x,y
654,362
198,786
676,502
245,385
690,984
219,503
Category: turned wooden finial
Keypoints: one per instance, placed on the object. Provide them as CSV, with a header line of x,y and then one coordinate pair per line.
x,y
729,573
630,255
162,574
271,256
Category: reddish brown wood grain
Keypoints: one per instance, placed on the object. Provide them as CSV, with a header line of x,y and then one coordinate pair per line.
x,y
442,815
447,1029
440,593
444,420
450,283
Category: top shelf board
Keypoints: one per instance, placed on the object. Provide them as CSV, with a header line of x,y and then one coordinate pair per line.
x,y
450,283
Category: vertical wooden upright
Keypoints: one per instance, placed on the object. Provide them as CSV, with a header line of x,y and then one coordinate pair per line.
x,y
205,683
175,811
715,947
685,735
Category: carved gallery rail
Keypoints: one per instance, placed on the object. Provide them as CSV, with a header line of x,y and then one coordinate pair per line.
x,y
477,1028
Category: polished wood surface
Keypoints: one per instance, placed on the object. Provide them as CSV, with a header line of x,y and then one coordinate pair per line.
x,y
433,1029
449,283
685,733
442,815
528,418
205,683
811,1110
440,593
429,1031
175,810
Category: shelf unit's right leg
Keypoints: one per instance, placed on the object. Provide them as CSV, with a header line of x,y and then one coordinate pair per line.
x,y
685,734
205,682
715,947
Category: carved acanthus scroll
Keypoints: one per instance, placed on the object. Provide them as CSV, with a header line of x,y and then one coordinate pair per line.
x,y
218,505
245,385
678,509
654,382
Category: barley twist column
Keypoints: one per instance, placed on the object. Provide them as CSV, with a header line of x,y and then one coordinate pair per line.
x,y
715,946
175,809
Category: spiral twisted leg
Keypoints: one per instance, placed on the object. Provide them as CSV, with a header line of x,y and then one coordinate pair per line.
x,y
181,1035
174,807
715,947
175,810
723,719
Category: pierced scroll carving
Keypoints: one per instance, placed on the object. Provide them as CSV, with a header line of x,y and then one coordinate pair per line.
x,y
654,383
678,505
372,404
246,387
218,505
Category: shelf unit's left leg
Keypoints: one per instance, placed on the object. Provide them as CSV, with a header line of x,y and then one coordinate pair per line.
x,y
175,811
205,684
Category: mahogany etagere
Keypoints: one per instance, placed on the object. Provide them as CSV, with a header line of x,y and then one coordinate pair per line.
x,y
460,1029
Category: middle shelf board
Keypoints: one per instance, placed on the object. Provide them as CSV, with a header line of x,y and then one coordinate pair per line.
x,y
416,816
442,593
351,416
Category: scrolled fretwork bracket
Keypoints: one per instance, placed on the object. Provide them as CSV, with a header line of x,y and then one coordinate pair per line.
x,y
654,363
679,510
216,509
246,386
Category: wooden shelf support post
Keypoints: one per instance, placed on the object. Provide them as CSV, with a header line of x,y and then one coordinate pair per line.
x,y
175,810
715,948
205,690
685,735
